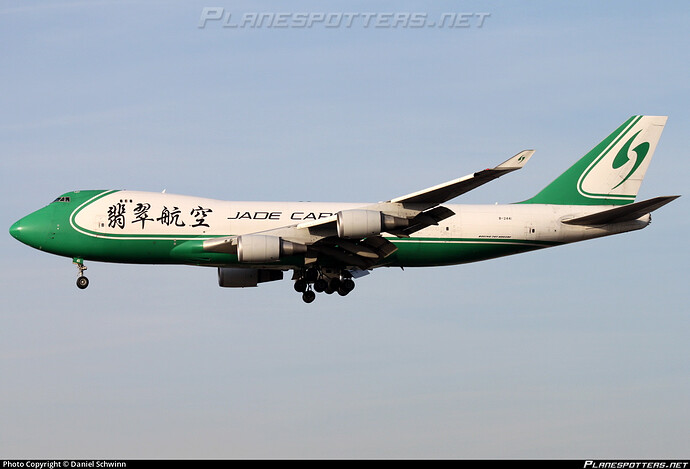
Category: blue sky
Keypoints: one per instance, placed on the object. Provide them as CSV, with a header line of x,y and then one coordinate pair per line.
x,y
574,352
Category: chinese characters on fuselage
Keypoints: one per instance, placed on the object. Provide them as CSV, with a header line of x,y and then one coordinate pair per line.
x,y
168,216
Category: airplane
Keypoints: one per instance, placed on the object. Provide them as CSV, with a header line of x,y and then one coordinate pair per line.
x,y
328,245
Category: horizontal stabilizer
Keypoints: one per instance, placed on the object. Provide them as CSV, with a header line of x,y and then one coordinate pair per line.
x,y
623,213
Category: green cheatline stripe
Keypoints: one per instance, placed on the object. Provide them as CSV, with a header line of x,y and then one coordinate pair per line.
x,y
475,241
73,217
596,162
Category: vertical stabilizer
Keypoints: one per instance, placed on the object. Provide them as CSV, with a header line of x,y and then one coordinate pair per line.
x,y
612,172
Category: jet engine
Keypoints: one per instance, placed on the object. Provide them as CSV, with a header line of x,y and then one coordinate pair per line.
x,y
240,278
363,223
263,248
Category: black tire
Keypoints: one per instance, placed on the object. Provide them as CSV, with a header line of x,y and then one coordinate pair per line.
x,y
348,284
342,291
308,296
82,282
334,284
300,285
320,285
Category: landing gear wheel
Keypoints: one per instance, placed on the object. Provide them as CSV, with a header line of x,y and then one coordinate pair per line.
x,y
308,296
82,282
300,285
334,284
320,285
348,284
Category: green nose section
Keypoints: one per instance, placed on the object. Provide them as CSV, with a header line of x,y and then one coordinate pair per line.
x,y
27,231
16,230
34,229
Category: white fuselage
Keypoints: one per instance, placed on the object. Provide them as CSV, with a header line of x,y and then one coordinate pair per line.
x,y
123,213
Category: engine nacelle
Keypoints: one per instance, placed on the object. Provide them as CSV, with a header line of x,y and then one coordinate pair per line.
x,y
363,223
263,248
240,278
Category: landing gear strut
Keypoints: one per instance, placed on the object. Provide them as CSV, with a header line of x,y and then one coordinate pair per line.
x,y
320,285
82,281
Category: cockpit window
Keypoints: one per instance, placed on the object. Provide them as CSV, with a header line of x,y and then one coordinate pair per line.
x,y
61,199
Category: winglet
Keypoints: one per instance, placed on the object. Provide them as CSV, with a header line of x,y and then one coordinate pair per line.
x,y
517,161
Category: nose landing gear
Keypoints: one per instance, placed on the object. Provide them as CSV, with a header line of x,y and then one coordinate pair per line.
x,y
82,281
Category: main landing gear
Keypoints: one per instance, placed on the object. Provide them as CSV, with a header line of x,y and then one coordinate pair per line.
x,y
82,281
314,280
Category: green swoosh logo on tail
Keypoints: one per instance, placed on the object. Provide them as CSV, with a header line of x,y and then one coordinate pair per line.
x,y
622,156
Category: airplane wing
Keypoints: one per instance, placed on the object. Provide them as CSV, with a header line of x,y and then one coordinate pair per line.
x,y
416,203
400,217
449,190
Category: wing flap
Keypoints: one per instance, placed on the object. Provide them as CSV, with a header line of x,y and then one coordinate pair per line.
x,y
362,254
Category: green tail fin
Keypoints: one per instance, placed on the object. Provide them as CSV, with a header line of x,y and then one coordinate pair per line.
x,y
611,173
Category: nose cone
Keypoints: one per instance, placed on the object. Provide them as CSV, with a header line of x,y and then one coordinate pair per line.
x,y
32,230
16,230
